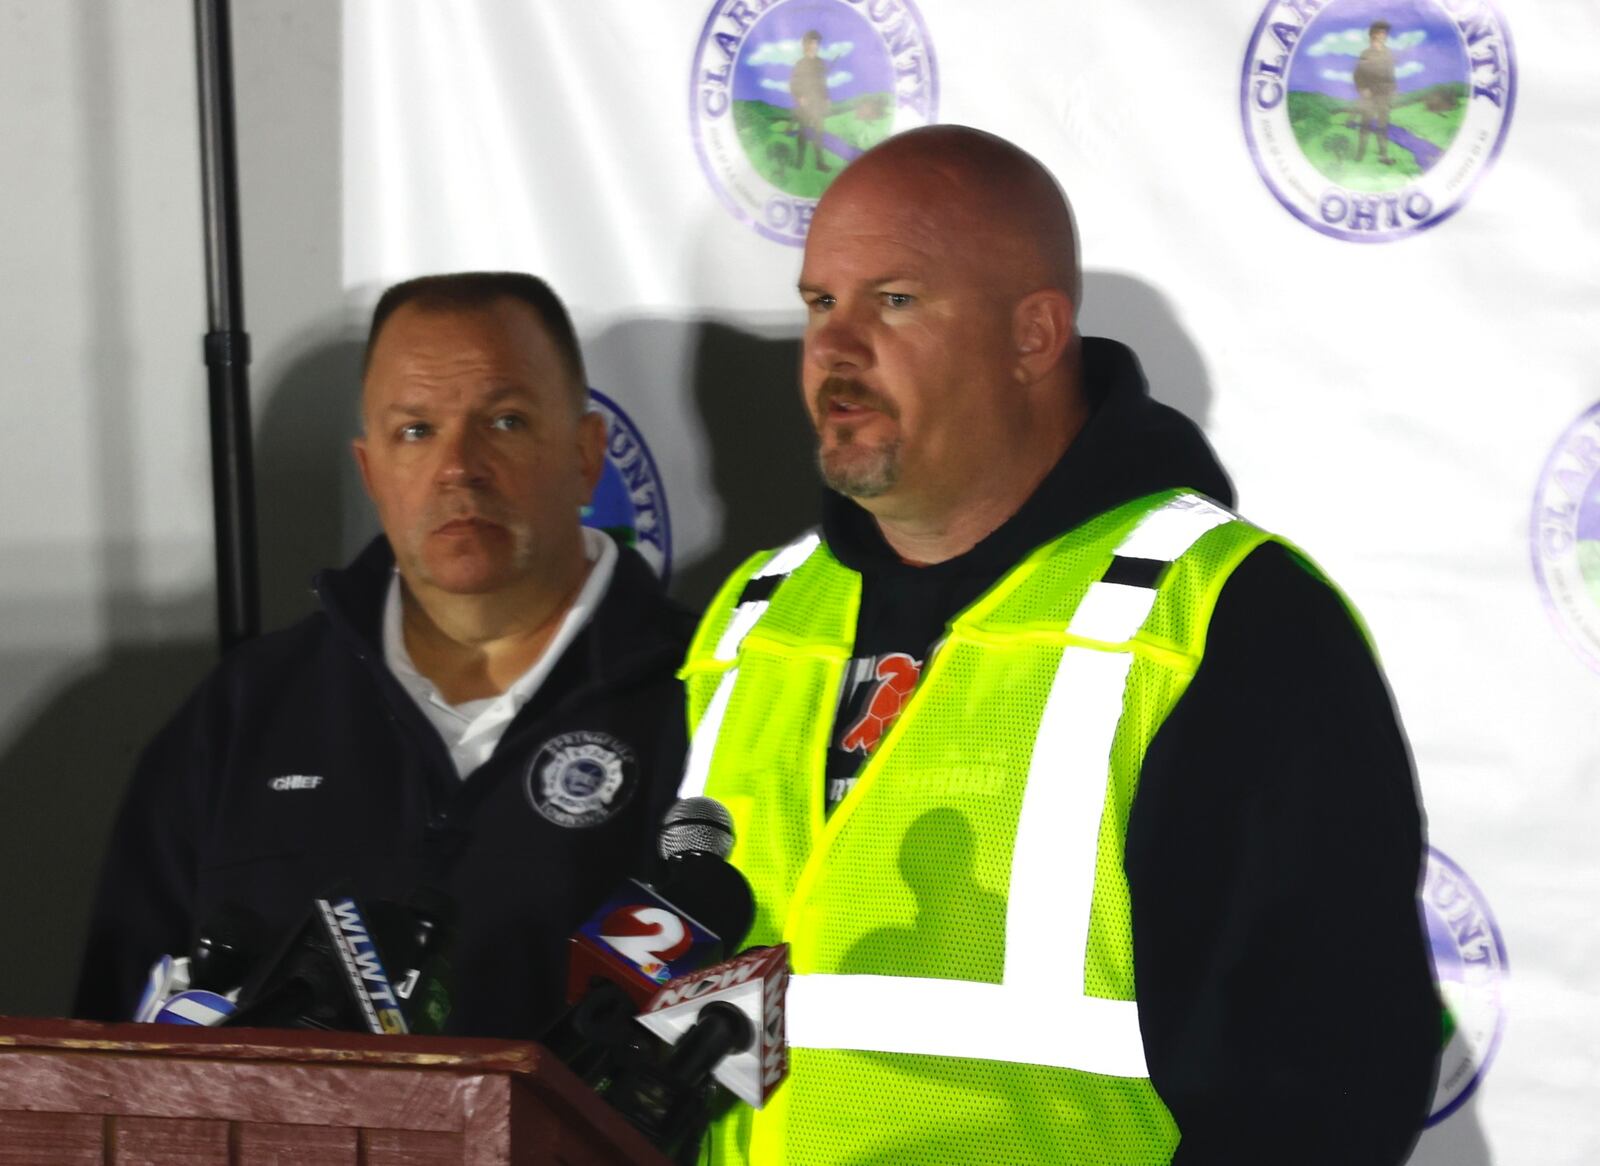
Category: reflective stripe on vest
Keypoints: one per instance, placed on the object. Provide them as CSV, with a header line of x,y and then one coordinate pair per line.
x,y
1038,1014
702,746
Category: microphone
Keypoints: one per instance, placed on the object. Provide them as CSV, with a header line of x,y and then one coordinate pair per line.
x,y
226,949
670,1104
643,936
168,976
637,940
364,977
721,1029
754,984
303,985
201,988
725,1022
716,1020
195,1006
358,968
695,841
696,826
417,936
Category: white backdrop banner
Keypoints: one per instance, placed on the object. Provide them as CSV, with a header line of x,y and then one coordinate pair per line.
x,y
1383,308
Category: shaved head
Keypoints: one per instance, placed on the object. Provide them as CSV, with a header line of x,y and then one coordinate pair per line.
x,y
982,194
942,364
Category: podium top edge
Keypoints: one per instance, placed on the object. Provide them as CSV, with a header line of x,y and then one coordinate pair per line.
x,y
463,1054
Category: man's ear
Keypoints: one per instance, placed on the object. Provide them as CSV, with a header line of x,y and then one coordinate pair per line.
x,y
591,450
358,447
1042,326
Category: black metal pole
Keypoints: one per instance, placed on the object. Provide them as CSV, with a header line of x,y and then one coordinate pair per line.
x,y
227,344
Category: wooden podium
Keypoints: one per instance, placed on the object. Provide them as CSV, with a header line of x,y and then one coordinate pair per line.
x,y
72,1091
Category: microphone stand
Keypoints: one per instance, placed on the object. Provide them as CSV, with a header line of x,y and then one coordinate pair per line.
x,y
227,344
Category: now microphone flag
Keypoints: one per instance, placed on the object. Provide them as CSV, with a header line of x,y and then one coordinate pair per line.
x,y
755,983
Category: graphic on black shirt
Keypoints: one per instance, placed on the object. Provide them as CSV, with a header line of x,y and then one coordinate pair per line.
x,y
896,674
875,689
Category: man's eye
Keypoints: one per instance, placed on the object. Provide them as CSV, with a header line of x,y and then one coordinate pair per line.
x,y
508,422
899,299
416,431
820,303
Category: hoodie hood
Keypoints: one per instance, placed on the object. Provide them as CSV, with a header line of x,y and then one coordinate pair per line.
x,y
1131,446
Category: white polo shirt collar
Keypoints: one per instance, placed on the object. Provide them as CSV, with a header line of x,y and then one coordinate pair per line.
x,y
472,729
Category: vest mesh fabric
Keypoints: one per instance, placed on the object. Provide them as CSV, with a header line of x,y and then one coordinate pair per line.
x,y
966,1111
910,877
762,737
1167,651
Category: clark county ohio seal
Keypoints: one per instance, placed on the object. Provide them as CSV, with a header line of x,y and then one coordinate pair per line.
x,y
786,93
1469,967
1566,536
1371,120
629,502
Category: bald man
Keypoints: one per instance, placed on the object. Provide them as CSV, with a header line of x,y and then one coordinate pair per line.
x,y
1079,799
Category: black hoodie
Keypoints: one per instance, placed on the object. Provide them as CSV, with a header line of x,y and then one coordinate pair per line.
x,y
1275,844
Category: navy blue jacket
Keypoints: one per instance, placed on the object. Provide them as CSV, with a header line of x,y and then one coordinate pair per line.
x,y
373,799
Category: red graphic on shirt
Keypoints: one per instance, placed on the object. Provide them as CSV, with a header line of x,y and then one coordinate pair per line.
x,y
897,675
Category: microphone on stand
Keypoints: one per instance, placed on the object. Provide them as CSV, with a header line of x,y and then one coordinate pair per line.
x,y
723,1021
362,968
754,984
202,987
644,935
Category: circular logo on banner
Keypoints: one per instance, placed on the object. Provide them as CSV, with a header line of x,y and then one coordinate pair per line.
x,y
1373,119
581,779
785,94
1469,965
629,502
1566,535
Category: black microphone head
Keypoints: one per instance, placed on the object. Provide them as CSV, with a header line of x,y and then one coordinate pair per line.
x,y
432,903
301,987
697,826
713,893
720,1028
227,949
432,921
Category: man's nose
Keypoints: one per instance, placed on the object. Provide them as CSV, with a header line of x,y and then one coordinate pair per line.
x,y
463,457
838,344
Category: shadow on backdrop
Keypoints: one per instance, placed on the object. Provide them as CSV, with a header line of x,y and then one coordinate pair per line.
x,y
763,469
82,713
309,501
64,771
1138,314
62,774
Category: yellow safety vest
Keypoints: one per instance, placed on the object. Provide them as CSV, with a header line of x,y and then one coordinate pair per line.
x,y
959,927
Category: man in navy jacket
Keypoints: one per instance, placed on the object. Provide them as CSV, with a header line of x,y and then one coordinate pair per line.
x,y
485,702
